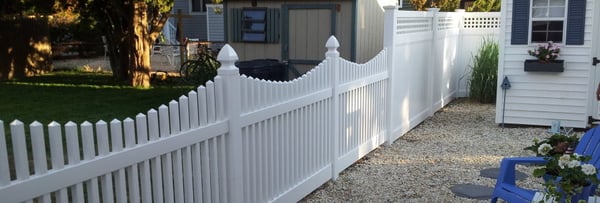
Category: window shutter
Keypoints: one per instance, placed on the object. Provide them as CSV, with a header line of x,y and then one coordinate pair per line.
x,y
520,22
575,22
236,25
273,25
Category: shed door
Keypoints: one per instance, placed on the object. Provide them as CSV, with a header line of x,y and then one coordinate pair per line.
x,y
306,29
594,103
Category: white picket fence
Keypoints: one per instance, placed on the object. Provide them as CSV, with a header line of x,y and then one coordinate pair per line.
x,y
241,139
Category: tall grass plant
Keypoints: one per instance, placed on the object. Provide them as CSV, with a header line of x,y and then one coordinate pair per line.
x,y
484,72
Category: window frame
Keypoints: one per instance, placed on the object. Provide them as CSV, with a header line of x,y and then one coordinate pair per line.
x,y
548,19
264,21
191,9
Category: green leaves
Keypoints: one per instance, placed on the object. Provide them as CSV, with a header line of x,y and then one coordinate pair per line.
x,y
484,73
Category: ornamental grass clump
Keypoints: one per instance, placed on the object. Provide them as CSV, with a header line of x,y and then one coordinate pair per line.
x,y
484,73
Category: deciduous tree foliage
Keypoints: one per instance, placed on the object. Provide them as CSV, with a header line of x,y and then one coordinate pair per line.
x,y
130,27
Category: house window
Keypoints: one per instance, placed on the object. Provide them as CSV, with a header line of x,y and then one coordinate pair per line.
x,y
254,24
547,20
197,6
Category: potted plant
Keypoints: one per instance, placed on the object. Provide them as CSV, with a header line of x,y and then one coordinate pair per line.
x,y
568,178
556,144
546,61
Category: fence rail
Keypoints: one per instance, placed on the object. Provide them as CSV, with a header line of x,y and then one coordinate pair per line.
x,y
240,139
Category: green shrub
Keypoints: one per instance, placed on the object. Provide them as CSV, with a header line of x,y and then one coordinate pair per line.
x,y
419,5
446,5
484,73
485,6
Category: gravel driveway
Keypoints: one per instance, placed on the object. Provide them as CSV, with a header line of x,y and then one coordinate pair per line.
x,y
449,148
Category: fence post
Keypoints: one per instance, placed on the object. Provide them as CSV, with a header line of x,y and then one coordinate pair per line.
x,y
389,32
231,96
333,56
434,60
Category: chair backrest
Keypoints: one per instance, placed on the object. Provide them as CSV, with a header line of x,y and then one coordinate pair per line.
x,y
589,145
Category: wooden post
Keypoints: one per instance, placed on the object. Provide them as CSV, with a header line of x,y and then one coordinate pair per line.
x,y
179,32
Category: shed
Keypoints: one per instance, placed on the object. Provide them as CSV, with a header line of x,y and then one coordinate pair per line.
x,y
539,98
294,31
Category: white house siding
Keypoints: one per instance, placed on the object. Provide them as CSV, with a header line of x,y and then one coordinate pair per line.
x,y
249,51
194,25
540,98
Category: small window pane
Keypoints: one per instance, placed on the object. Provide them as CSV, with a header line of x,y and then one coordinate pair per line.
x,y
557,12
540,12
254,14
198,6
555,37
254,37
250,26
555,26
539,26
557,3
537,3
538,37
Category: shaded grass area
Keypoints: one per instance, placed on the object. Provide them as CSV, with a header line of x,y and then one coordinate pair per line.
x,y
79,96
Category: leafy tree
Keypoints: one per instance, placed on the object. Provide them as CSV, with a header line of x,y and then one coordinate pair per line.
x,y
130,27
485,6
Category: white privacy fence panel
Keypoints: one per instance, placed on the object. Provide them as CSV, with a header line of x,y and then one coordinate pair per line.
x,y
240,139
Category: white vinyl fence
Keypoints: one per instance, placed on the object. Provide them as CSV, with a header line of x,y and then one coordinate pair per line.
x,y
241,139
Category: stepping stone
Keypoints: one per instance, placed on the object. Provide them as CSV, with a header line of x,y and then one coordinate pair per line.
x,y
493,173
472,191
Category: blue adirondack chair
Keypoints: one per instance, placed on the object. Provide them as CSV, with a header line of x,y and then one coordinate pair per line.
x,y
506,189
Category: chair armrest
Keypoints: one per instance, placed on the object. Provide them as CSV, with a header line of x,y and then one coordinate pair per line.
x,y
507,167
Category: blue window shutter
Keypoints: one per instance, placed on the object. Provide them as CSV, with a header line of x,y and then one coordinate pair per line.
x,y
236,24
575,22
520,22
273,19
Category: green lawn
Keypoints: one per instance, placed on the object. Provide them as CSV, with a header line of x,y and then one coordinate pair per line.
x,y
79,96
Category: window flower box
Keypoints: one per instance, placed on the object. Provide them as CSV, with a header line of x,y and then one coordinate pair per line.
x,y
535,65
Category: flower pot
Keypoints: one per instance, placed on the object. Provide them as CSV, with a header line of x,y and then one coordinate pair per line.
x,y
583,195
550,66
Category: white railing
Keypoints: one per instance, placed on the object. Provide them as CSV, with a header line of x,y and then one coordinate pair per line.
x,y
240,139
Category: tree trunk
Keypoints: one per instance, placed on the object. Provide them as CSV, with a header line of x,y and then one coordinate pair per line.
x,y
139,69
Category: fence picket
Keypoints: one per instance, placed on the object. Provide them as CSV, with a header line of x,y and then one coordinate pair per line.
x,y
193,109
187,174
4,172
132,171
56,154
210,102
206,173
106,182
144,167
197,173
167,176
19,149
178,176
153,131
141,128
116,132
163,115
174,117
74,157
38,147
89,152
202,106
184,113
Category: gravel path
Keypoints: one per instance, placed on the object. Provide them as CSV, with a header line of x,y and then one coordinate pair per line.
x,y
449,148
